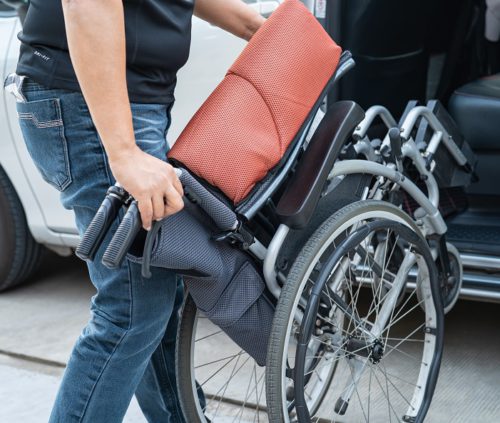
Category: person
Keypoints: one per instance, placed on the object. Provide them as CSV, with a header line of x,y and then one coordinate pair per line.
x,y
94,87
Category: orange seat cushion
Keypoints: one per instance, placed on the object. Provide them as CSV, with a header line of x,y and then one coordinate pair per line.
x,y
245,126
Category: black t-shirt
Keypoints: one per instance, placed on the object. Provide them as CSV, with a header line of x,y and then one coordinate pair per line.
x,y
158,35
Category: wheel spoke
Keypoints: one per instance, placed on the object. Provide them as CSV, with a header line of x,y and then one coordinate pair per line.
x,y
219,370
355,383
394,386
208,336
221,359
226,384
389,405
392,323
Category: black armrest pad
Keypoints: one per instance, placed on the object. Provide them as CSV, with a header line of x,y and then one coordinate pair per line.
x,y
303,191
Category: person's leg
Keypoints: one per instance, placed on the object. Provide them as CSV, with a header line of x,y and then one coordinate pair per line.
x,y
157,392
129,314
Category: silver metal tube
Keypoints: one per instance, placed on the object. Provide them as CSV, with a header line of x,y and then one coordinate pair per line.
x,y
409,149
397,286
258,249
348,167
434,142
370,115
270,260
365,148
426,113
480,295
468,293
479,261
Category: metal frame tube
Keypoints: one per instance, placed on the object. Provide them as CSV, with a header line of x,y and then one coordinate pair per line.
x,y
410,150
370,115
480,261
273,250
425,113
258,249
348,167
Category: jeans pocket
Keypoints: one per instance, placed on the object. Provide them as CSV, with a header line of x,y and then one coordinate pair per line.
x,y
43,132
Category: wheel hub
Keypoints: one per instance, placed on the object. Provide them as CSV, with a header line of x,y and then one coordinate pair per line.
x,y
359,347
377,352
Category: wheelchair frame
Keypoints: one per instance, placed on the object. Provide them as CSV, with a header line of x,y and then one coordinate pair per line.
x,y
390,176
429,221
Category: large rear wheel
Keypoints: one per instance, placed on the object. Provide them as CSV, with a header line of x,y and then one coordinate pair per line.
x,y
217,381
381,368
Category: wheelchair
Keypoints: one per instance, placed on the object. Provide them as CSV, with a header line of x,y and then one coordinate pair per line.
x,y
313,293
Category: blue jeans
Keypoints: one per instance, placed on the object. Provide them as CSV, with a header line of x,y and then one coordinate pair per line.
x,y
128,345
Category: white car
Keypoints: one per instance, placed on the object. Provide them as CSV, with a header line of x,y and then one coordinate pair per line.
x,y
31,216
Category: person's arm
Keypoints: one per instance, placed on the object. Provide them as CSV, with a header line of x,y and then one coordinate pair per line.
x,y
96,38
232,15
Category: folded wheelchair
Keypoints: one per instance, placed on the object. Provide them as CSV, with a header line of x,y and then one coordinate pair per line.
x,y
313,293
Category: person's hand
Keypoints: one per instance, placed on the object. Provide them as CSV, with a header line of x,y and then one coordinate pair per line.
x,y
152,182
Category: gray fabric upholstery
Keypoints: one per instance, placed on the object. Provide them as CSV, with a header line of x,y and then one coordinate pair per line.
x,y
222,280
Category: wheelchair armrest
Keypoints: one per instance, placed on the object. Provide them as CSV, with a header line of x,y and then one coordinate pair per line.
x,y
299,200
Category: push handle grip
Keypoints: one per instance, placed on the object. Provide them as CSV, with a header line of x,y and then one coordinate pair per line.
x,y
123,238
99,226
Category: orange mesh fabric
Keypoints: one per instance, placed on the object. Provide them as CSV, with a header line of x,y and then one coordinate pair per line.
x,y
245,126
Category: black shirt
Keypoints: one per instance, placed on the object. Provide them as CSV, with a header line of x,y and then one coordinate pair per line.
x,y
158,35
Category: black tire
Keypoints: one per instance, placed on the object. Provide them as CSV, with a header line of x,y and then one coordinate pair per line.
x,y
20,254
292,286
451,292
183,363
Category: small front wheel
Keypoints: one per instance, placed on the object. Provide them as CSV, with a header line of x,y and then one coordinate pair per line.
x,y
452,284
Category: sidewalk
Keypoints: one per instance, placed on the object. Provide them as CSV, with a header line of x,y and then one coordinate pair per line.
x,y
28,390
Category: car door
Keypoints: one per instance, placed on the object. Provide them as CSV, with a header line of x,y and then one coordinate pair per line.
x,y
55,216
8,23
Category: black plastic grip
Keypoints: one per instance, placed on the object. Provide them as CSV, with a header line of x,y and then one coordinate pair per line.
x,y
395,140
123,237
99,226
148,249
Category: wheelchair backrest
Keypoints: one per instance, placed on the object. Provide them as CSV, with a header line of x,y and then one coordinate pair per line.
x,y
261,110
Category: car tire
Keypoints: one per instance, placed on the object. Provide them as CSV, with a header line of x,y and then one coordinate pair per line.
x,y
20,254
